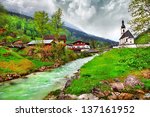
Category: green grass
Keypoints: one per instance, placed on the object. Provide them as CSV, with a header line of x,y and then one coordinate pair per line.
x,y
146,83
12,62
116,63
144,38
39,63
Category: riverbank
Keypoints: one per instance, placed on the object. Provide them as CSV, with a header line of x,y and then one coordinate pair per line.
x,y
9,77
118,74
132,88
16,64
37,86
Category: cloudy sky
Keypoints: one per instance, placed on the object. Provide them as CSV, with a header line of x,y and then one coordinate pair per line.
x,y
99,17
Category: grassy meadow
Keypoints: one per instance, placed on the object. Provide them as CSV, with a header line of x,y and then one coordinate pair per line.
x,y
12,62
143,38
117,63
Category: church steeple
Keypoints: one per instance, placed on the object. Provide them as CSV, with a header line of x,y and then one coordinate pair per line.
x,y
123,28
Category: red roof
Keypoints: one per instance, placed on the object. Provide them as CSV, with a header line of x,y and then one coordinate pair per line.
x,y
49,37
79,42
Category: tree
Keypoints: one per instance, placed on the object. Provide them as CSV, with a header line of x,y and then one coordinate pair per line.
x,y
3,16
56,23
140,12
41,20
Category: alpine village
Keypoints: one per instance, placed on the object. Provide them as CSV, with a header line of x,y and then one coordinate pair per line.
x,y
41,58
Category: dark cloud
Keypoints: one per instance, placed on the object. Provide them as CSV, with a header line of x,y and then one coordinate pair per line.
x,y
99,17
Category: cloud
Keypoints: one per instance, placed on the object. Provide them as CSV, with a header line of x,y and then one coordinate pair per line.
x,y
82,9
98,17
28,7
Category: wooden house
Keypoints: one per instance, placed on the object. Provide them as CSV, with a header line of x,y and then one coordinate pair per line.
x,y
62,38
49,37
46,43
79,46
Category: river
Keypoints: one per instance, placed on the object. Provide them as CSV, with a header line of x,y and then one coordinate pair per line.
x,y
37,85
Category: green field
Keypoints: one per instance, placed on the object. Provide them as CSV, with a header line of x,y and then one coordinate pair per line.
x,y
117,63
143,38
12,62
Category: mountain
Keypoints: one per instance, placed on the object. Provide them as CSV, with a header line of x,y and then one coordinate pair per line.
x,y
71,26
20,15
82,35
75,31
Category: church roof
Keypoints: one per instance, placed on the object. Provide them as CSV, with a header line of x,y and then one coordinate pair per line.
x,y
127,34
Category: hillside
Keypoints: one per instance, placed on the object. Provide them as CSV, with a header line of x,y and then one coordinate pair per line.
x,y
143,38
11,62
117,63
71,32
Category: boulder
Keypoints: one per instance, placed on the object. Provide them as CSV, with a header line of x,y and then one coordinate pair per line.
x,y
147,96
68,83
132,81
140,92
42,69
107,93
116,80
52,98
1,79
146,73
114,96
125,96
67,97
117,86
87,97
98,93
56,65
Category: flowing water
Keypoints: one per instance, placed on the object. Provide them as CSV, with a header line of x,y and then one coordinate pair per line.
x,y
38,85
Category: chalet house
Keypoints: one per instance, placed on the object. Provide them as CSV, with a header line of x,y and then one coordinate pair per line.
x,y
49,37
38,42
79,46
62,38
47,44
126,36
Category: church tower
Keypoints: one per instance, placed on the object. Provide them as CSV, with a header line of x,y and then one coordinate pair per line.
x,y
123,28
126,36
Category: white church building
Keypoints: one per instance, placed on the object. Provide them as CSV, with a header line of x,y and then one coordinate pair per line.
x,y
127,39
126,36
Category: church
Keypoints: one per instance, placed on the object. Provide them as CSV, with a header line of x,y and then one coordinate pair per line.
x,y
126,36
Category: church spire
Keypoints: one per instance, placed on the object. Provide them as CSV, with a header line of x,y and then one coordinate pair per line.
x,y
123,27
